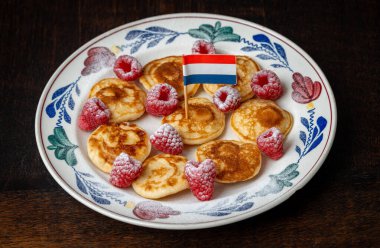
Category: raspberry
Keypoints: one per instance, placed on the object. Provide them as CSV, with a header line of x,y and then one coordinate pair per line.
x,y
167,139
161,100
127,68
203,47
94,114
201,177
227,98
124,171
271,143
266,85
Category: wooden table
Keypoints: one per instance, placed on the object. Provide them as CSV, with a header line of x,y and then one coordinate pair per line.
x,y
339,207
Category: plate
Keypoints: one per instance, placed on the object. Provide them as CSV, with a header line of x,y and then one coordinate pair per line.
x,y
63,146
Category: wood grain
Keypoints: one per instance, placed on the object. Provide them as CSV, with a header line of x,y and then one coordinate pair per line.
x,y
339,207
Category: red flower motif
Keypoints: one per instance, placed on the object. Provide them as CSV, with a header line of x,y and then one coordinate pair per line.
x,y
150,210
98,58
304,89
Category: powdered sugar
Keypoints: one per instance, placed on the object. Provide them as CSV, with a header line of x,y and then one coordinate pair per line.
x,y
227,98
201,177
167,139
203,47
94,114
161,100
266,85
271,143
127,68
150,210
125,170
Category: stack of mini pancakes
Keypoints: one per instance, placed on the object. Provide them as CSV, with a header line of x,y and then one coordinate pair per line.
x,y
163,174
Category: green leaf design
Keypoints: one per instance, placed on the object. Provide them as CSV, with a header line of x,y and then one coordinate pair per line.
x,y
196,33
61,136
53,140
70,156
217,25
224,30
208,29
63,148
214,33
60,153
227,37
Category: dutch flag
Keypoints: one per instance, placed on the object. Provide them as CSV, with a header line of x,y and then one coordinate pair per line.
x,y
209,69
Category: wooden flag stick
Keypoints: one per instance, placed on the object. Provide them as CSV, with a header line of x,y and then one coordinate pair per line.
x,y
185,95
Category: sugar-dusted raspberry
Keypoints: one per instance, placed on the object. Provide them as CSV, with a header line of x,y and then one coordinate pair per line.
x,y
271,143
124,171
266,85
227,99
127,68
161,100
94,114
203,47
167,139
201,177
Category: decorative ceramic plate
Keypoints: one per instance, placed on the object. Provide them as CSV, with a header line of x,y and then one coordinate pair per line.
x,y
63,146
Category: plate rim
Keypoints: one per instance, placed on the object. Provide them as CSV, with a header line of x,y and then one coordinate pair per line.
x,y
275,202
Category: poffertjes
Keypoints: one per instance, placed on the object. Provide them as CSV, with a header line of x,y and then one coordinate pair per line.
x,y
108,141
166,70
235,161
256,116
205,121
162,175
124,99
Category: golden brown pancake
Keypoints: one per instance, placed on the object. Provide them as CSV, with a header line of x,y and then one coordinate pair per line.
x,y
166,70
108,141
256,116
124,99
162,175
235,161
205,121
246,68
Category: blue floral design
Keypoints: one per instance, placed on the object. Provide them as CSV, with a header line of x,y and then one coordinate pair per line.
x,y
154,35
151,35
226,207
61,99
310,141
96,190
270,50
62,103
314,136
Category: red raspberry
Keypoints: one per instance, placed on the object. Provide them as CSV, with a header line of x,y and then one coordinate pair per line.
x,y
161,100
266,85
271,143
124,171
167,139
94,114
127,68
227,98
201,177
203,47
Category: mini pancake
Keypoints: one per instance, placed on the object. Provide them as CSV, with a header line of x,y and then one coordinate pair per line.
x,y
162,175
124,99
205,121
108,141
166,70
235,161
256,116
246,68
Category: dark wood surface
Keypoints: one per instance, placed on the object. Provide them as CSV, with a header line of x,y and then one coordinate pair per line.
x,y
339,207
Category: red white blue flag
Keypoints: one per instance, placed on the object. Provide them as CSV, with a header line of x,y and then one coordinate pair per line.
x,y
209,69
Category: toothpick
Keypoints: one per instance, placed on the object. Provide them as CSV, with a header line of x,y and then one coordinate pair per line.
x,y
185,95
